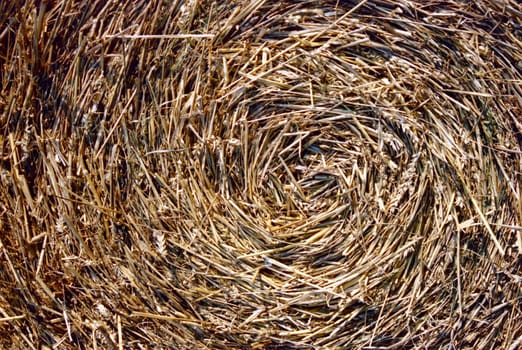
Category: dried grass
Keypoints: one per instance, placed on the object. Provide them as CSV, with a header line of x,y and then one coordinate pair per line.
x,y
249,175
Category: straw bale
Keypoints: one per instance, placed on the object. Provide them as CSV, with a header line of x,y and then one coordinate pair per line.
x,y
260,174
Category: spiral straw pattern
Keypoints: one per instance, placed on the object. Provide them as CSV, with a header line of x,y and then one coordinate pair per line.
x,y
279,175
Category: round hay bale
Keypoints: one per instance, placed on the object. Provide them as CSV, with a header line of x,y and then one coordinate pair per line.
x,y
261,175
